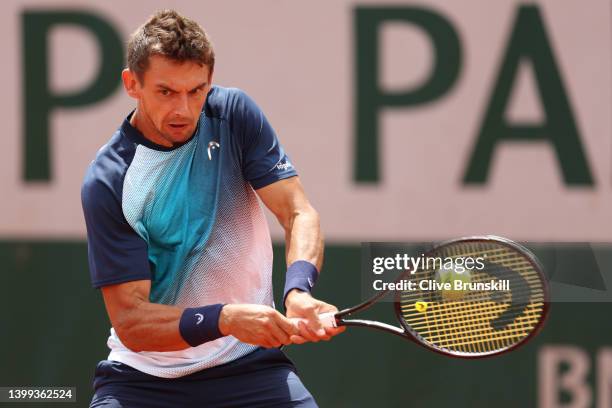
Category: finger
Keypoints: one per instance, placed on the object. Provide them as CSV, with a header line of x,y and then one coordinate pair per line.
x,y
295,339
286,325
277,335
314,324
263,343
306,332
326,337
274,341
272,344
334,331
295,321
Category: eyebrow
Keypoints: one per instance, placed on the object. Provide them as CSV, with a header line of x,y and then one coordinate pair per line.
x,y
162,86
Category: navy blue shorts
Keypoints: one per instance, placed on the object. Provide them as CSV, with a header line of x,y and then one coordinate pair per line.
x,y
263,378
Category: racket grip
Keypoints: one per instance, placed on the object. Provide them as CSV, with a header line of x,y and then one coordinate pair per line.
x,y
328,319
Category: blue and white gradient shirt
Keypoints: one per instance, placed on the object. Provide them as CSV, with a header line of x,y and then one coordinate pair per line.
x,y
188,219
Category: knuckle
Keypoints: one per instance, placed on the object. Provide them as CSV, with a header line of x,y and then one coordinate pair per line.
x,y
309,308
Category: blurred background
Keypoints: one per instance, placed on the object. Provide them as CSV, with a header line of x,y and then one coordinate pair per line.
x,y
407,121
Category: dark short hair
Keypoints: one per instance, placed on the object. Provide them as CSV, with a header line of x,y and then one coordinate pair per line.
x,y
169,34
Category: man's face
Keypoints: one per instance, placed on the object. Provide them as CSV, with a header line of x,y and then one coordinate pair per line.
x,y
170,98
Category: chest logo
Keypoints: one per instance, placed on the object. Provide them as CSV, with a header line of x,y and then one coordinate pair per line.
x,y
212,145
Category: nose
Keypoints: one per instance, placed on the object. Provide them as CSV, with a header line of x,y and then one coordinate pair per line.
x,y
181,106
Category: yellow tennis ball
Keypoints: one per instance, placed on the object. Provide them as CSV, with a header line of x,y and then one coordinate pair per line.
x,y
450,274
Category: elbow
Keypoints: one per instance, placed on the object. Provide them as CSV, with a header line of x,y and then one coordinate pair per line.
x,y
307,213
133,346
124,329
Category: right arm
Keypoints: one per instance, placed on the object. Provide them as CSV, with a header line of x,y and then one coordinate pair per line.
x,y
145,326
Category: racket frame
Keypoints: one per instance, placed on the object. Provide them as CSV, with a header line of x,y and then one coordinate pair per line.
x,y
406,332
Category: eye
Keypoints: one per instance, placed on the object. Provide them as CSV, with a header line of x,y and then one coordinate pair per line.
x,y
196,91
164,92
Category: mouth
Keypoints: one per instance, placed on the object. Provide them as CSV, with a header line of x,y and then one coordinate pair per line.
x,y
178,126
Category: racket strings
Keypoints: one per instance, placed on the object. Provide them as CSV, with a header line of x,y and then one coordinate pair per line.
x,y
482,321
480,310
473,327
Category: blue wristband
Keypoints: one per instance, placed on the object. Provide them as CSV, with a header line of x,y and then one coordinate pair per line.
x,y
301,275
200,324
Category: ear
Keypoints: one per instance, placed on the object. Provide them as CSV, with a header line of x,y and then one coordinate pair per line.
x,y
210,77
130,83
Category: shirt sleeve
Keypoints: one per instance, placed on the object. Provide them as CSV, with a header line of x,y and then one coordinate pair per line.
x,y
264,160
116,252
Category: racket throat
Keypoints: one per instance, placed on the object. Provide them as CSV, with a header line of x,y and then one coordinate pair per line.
x,y
373,325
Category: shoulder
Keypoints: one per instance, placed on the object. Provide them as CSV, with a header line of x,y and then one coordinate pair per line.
x,y
104,177
229,104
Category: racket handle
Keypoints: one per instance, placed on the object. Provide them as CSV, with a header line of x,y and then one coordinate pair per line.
x,y
328,319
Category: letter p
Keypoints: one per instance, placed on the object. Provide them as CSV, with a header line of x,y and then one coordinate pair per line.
x,y
38,99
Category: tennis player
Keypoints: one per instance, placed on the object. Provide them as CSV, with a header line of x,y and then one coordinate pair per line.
x,y
179,245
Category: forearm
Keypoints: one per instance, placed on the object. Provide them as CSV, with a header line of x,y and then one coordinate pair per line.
x,y
151,327
145,326
305,243
303,238
154,327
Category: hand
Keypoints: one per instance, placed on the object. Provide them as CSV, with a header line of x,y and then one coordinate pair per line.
x,y
304,311
256,324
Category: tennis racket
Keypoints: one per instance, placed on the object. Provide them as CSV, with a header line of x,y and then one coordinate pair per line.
x,y
474,323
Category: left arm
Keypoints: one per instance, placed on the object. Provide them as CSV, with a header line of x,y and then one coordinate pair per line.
x,y
281,191
303,238
304,241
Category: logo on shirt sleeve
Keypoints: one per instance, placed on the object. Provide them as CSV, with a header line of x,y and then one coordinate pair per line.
x,y
284,166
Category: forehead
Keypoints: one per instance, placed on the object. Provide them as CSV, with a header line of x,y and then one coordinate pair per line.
x,y
174,74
